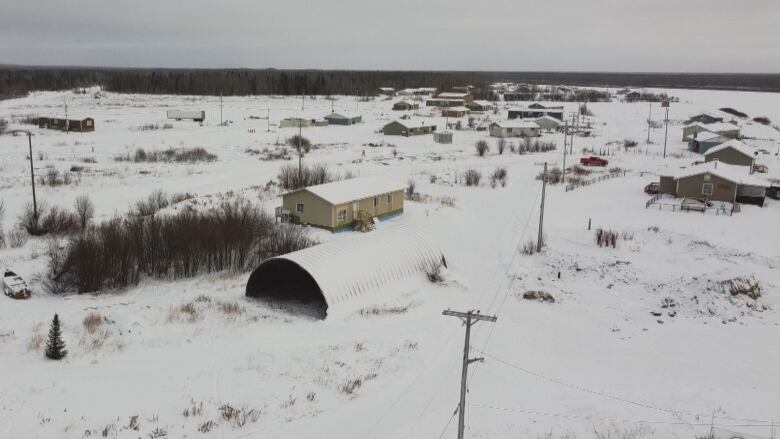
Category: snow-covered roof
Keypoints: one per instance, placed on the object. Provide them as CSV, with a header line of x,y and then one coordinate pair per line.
x,y
538,110
708,136
353,189
738,146
517,123
733,173
482,103
346,268
707,113
716,127
454,109
549,118
414,123
452,95
342,116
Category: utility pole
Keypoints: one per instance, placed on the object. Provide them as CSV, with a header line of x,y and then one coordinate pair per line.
x,y
220,108
469,319
303,99
67,124
300,151
565,129
268,119
666,123
649,118
541,211
32,169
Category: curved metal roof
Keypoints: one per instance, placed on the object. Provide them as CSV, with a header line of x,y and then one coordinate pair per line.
x,y
346,268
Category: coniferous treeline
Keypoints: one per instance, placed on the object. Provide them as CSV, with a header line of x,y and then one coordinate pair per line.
x,y
17,81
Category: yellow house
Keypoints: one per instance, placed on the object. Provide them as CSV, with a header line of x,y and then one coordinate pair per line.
x,y
344,204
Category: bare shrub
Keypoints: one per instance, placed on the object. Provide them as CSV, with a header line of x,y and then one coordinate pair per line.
x,y
351,386
745,286
606,238
231,308
482,147
630,143
178,197
176,155
447,201
386,310
194,409
529,145
54,178
542,296
207,426
85,210
498,177
300,143
580,170
530,247
410,189
238,417
500,145
434,272
53,220
472,177
155,202
234,236
554,176
763,120
291,177
616,170
36,342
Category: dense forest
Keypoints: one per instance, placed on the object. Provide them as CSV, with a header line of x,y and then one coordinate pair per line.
x,y
17,80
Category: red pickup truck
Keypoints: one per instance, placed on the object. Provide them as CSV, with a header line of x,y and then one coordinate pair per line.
x,y
593,161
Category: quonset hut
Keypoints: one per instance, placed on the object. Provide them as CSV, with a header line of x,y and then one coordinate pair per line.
x,y
335,272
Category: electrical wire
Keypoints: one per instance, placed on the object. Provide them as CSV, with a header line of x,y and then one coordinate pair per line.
x,y
615,397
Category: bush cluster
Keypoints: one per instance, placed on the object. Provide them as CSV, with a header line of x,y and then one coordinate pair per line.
x,y
116,253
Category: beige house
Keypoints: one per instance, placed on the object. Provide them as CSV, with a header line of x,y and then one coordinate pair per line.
x,y
515,128
344,204
728,130
732,152
407,127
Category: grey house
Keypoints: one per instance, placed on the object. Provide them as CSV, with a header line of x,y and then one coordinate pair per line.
x,y
343,119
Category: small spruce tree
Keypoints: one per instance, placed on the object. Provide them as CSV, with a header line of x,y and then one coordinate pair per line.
x,y
55,346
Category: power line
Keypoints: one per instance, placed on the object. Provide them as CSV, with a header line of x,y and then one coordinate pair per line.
x,y
590,418
615,397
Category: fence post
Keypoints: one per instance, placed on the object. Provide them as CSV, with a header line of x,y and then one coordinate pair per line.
x,y
589,219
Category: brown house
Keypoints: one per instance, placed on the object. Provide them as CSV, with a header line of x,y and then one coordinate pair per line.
x,y
732,152
344,204
78,125
454,111
715,181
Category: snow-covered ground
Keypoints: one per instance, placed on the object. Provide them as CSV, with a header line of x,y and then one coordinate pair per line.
x,y
643,340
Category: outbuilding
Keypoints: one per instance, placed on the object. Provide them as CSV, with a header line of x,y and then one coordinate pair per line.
x,y
515,128
85,125
442,137
296,122
343,119
344,204
405,105
332,274
407,127
732,152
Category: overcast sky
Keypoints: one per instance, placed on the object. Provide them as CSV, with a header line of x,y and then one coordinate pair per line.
x,y
571,35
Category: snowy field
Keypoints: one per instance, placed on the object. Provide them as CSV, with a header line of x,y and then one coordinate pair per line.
x,y
643,340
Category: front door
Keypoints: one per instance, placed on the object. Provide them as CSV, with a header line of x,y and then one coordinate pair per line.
x,y
355,209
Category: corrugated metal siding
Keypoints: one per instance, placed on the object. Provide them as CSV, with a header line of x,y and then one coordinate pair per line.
x,y
346,268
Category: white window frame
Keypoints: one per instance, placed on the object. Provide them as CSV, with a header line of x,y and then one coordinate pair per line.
x,y
341,215
704,192
299,207
376,204
390,200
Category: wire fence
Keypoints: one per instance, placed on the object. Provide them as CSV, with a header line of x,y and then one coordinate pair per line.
x,y
583,183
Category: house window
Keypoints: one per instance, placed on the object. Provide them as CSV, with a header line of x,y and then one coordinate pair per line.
x,y
706,189
376,204
389,201
341,216
299,207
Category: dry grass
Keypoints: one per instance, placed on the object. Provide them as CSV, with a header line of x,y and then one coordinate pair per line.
x,y
231,308
92,322
36,342
238,417
187,313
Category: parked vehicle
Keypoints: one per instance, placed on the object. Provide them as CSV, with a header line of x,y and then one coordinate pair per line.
x,y
695,204
14,286
197,116
593,161
652,188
